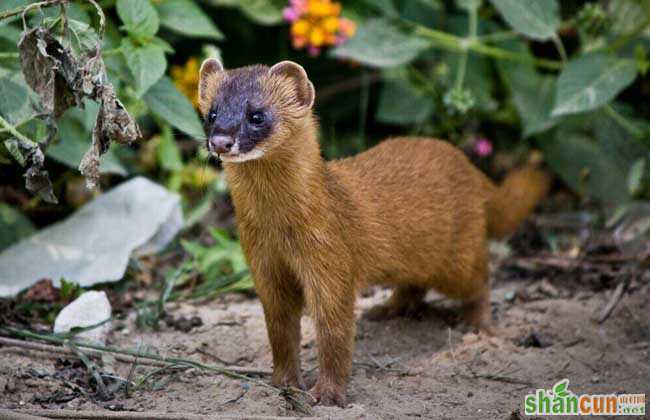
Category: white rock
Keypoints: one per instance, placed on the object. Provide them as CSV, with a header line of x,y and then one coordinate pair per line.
x,y
89,309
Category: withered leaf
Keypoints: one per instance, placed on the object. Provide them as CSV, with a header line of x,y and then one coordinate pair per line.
x,y
61,81
37,179
112,123
50,69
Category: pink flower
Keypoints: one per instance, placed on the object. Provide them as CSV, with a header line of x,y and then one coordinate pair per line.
x,y
290,14
313,51
483,147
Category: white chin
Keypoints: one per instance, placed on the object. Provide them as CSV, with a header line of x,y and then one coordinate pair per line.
x,y
243,157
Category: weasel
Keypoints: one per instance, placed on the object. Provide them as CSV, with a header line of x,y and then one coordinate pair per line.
x,y
412,213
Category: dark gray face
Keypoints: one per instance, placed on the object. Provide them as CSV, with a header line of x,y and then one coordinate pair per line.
x,y
238,119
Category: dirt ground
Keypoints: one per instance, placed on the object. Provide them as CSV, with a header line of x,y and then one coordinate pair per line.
x,y
404,368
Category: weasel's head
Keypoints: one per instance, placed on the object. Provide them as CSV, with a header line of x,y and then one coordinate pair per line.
x,y
250,111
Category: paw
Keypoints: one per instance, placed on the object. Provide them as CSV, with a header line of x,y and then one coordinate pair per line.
x,y
386,312
328,395
287,380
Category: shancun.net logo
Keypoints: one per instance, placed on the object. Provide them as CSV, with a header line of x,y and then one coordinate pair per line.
x,y
559,401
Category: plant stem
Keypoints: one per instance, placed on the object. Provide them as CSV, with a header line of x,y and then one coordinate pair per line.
x,y
625,38
14,12
9,55
498,36
471,37
14,132
623,122
560,48
457,44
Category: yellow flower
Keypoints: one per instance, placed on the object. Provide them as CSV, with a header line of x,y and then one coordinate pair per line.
x,y
316,24
317,36
300,27
186,79
331,24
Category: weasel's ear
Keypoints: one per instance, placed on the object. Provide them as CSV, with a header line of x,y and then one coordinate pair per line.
x,y
209,78
305,93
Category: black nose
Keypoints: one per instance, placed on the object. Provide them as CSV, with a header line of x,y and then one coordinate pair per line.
x,y
221,144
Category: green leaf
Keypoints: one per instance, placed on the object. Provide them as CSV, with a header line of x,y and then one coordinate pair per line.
x,y
584,166
387,7
400,102
591,81
380,43
187,18
146,63
13,99
13,226
139,16
538,19
627,15
533,94
635,176
13,147
264,12
83,37
168,103
167,151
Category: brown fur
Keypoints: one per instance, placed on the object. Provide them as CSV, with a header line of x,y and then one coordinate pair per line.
x,y
412,213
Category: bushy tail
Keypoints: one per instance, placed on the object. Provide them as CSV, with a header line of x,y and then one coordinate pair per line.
x,y
515,199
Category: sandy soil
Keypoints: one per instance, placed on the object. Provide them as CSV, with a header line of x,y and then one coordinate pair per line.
x,y
405,368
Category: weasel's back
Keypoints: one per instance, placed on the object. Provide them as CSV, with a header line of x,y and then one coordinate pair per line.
x,y
424,208
413,168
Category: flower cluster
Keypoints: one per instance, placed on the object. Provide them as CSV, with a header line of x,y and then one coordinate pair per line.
x,y
186,79
316,24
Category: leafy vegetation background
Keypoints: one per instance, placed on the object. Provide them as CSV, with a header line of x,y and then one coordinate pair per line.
x,y
567,78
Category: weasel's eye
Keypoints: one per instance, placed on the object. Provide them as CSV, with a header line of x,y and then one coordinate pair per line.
x,y
256,118
212,116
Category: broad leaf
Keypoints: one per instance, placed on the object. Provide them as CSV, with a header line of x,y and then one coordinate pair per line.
x,y
380,43
533,94
538,19
591,81
173,107
187,18
169,156
13,99
139,16
82,37
402,103
147,64
264,12
584,166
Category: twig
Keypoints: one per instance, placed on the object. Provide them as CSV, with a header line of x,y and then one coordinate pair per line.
x,y
142,360
14,12
102,391
501,378
451,348
290,394
613,301
111,415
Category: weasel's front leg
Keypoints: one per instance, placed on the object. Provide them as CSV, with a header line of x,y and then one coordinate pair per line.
x,y
283,303
330,298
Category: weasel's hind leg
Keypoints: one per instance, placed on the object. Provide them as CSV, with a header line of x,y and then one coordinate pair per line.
x,y
406,301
